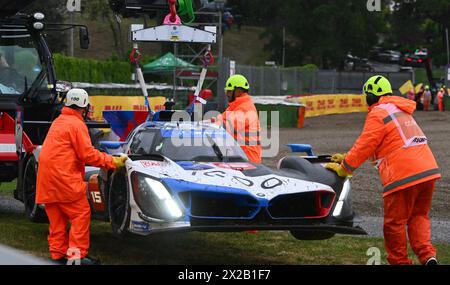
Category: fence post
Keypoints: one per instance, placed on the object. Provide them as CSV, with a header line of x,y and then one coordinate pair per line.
x,y
313,82
224,73
334,82
279,81
261,86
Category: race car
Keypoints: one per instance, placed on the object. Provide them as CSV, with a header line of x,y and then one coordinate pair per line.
x,y
192,176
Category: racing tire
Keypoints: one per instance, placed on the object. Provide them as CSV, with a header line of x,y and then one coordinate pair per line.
x,y
312,235
35,213
119,204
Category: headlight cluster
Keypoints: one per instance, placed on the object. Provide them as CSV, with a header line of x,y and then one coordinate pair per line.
x,y
154,199
38,17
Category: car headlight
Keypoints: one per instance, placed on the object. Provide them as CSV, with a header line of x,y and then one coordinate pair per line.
x,y
154,199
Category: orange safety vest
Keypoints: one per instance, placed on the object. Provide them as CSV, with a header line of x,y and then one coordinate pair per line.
x,y
241,120
396,144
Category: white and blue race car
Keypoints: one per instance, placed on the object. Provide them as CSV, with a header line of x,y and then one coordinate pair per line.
x,y
190,176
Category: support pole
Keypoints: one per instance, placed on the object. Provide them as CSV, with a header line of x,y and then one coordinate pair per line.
x,y
175,53
71,36
448,47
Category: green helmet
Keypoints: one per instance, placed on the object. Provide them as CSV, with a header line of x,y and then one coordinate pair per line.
x,y
378,85
237,81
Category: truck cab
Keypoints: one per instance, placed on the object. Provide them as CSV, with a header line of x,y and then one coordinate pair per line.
x,y
30,95
27,85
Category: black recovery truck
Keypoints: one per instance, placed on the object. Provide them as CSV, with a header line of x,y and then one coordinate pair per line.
x,y
31,97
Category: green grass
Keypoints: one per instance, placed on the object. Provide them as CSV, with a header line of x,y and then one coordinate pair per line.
x,y
7,188
202,248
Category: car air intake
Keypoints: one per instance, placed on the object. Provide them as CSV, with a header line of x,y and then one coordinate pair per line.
x,y
306,205
219,205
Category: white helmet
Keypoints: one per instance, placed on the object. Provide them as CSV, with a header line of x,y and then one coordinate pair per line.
x,y
77,97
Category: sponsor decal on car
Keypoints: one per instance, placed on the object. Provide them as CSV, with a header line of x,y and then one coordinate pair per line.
x,y
189,165
140,226
148,164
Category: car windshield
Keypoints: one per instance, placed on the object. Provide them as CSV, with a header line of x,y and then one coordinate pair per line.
x,y
19,60
189,148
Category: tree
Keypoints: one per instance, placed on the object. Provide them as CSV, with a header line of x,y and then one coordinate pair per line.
x,y
421,23
323,31
100,10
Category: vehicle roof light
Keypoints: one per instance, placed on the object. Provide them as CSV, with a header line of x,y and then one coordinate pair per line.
x,y
38,26
38,16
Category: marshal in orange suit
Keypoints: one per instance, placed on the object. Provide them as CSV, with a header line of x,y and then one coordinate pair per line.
x,y
399,149
240,119
60,180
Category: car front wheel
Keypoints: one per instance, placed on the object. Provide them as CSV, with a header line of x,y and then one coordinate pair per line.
x,y
118,204
35,213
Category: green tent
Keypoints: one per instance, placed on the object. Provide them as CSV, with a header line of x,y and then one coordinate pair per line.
x,y
167,63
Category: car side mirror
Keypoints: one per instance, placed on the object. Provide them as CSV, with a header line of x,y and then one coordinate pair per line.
x,y
63,86
84,38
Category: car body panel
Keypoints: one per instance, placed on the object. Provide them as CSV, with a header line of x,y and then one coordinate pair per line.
x,y
221,195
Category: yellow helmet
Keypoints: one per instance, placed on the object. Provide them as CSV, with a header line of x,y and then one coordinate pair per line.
x,y
237,81
378,85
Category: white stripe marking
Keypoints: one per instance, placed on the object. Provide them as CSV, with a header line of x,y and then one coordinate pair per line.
x,y
8,148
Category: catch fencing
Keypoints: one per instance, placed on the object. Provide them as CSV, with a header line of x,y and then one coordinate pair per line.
x,y
272,81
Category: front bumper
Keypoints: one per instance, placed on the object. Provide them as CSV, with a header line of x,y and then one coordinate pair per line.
x,y
261,223
230,227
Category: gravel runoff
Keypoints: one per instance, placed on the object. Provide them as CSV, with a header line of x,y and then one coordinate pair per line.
x,y
9,205
440,229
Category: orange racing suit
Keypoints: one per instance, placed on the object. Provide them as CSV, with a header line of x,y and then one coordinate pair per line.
x,y
241,121
399,149
60,182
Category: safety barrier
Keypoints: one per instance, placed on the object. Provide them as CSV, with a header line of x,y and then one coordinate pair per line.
x,y
326,104
100,103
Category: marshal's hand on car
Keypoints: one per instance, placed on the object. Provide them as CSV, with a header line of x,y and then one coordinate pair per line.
x,y
338,157
340,171
119,161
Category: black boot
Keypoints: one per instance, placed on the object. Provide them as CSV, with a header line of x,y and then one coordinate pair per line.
x,y
432,261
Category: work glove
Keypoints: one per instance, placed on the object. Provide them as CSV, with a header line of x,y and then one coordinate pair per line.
x,y
340,171
338,157
119,161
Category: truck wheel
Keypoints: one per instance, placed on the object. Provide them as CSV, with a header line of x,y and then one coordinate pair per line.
x,y
118,204
312,235
35,213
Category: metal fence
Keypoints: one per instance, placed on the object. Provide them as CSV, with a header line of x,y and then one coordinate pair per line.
x,y
274,81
